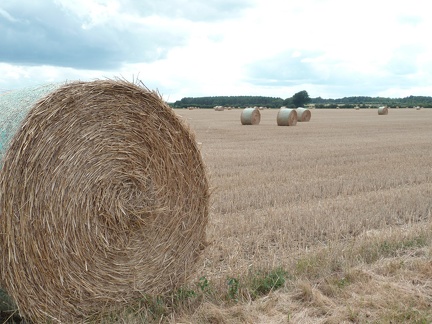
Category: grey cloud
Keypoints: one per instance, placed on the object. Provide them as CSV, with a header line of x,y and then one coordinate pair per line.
x,y
42,33
285,69
45,33
307,69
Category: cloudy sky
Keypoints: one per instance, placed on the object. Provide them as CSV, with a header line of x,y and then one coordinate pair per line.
x,y
193,48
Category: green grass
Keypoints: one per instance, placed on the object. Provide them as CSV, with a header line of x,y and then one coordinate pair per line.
x,y
153,309
263,282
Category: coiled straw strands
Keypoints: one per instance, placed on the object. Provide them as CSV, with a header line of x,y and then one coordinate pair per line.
x,y
104,198
382,110
303,114
250,116
286,117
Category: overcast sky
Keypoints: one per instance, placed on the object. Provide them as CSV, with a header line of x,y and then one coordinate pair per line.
x,y
193,48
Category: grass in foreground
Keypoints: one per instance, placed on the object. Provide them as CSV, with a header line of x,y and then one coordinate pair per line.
x,y
378,277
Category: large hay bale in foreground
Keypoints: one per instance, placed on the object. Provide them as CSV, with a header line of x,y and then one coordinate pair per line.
x,y
303,114
382,110
286,117
250,116
103,197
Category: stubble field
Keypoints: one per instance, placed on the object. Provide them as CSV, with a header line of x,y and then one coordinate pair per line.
x,y
341,203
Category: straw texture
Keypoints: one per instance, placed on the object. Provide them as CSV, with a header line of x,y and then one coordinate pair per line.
x,y
250,116
303,114
286,117
103,197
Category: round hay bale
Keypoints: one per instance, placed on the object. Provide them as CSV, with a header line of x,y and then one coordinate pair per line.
x,y
250,116
303,114
382,110
219,108
286,117
104,197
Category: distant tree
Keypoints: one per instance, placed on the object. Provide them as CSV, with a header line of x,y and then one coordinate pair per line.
x,y
301,98
287,102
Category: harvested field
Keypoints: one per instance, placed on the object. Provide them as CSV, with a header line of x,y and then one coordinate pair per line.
x,y
286,197
342,174
342,204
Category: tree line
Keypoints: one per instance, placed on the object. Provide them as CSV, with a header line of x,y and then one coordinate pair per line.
x,y
363,101
300,99
229,101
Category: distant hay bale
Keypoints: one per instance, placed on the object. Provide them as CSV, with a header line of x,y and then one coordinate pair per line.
x,y
382,110
250,116
103,199
286,117
219,108
303,114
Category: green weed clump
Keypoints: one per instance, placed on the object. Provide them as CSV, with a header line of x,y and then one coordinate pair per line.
x,y
264,282
186,299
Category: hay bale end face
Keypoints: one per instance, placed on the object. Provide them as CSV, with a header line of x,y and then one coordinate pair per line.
x,y
303,114
250,116
382,110
286,117
104,198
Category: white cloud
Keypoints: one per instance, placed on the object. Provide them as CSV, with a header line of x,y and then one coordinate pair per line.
x,y
92,13
15,76
331,48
